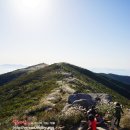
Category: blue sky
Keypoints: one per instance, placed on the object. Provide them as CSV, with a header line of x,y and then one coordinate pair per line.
x,y
87,33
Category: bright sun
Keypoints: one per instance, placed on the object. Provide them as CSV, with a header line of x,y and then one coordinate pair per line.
x,y
31,3
31,6
31,11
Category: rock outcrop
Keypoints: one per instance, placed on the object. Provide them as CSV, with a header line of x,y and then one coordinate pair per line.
x,y
87,100
101,97
82,99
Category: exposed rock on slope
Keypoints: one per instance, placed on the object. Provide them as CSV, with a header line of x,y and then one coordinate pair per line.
x,y
82,99
89,99
102,97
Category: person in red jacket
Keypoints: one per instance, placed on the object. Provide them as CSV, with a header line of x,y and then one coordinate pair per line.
x,y
91,123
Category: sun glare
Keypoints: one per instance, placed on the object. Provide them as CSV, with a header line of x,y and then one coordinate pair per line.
x,y
31,3
30,12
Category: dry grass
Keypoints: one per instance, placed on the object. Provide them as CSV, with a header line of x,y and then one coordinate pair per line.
x,y
72,116
125,120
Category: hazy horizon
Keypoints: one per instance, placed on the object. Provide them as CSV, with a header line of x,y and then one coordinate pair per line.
x,y
86,33
5,68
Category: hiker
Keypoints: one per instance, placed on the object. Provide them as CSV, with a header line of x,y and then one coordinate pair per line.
x,y
100,121
91,122
117,114
92,111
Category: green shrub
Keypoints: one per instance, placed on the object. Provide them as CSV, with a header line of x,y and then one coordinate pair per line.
x,y
106,110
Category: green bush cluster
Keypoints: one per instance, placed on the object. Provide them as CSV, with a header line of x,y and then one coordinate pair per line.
x,y
106,110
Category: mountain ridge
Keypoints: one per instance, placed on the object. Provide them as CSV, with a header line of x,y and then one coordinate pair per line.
x,y
31,93
120,78
9,76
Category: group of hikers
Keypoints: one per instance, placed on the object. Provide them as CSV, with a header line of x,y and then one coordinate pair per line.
x,y
96,120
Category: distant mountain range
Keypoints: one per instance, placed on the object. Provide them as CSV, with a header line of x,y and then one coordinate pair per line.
x,y
122,72
120,78
4,68
25,90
